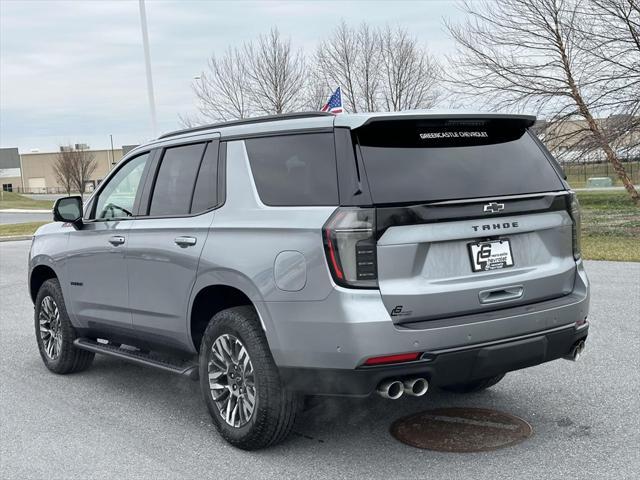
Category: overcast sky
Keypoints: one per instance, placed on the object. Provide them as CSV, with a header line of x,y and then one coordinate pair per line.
x,y
73,71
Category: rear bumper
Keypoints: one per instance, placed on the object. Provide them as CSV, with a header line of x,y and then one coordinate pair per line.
x,y
446,367
342,331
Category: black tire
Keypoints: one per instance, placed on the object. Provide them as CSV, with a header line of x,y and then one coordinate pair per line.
x,y
68,358
275,407
475,386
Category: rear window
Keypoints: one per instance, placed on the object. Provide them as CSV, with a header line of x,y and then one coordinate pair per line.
x,y
294,170
409,162
176,177
205,193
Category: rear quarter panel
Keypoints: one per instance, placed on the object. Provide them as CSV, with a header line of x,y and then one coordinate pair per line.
x,y
247,236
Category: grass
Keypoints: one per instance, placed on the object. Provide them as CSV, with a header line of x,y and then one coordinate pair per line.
x,y
13,200
604,247
610,226
16,229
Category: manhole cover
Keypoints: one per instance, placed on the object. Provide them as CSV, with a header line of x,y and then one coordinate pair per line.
x,y
461,430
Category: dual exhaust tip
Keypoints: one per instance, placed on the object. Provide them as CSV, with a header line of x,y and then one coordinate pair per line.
x,y
576,351
394,389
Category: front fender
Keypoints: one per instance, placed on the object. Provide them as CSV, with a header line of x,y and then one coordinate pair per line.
x,y
49,249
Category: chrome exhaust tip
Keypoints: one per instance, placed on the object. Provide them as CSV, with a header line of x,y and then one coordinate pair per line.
x,y
416,387
576,351
391,389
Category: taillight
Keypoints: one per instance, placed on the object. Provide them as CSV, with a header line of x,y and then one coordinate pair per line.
x,y
350,247
574,211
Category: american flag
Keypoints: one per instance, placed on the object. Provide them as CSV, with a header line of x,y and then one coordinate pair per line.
x,y
334,104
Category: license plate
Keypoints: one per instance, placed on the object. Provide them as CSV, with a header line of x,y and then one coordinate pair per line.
x,y
493,255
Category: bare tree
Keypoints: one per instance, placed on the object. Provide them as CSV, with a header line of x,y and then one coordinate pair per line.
x,y
222,91
263,77
368,68
84,164
520,54
337,61
378,68
409,74
276,74
317,91
63,169
189,121
610,32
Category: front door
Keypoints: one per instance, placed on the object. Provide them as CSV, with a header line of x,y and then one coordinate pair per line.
x,y
96,267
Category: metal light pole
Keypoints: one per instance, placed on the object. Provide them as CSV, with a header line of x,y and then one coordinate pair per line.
x,y
113,157
147,61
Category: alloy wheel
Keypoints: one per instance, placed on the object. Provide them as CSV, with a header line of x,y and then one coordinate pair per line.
x,y
231,380
50,328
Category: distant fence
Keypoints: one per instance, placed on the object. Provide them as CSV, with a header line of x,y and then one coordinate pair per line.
x,y
40,190
578,174
49,190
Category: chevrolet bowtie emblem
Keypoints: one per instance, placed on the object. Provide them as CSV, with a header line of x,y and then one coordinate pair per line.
x,y
493,207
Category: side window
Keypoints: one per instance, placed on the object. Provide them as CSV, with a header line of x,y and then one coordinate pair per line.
x,y
175,180
118,196
294,170
205,194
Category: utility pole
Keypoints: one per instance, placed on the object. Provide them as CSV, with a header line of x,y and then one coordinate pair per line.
x,y
147,62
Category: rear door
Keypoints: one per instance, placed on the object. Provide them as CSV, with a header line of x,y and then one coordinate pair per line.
x,y
471,216
166,239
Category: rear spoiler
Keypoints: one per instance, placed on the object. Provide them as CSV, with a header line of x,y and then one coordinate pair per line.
x,y
354,121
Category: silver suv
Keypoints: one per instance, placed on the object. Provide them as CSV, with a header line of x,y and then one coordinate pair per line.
x,y
311,254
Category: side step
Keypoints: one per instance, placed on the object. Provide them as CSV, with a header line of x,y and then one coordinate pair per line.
x,y
179,367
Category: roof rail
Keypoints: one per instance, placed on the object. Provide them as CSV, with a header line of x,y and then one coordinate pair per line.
x,y
246,121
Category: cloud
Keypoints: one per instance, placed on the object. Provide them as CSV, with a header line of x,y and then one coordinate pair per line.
x,y
75,69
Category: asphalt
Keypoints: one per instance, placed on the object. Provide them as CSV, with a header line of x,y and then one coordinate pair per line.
x,y
24,217
118,420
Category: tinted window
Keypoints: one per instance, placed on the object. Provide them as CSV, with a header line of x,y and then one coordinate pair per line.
x,y
205,192
175,180
420,163
294,169
117,198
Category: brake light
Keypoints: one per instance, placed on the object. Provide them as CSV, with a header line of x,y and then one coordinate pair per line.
x,y
574,212
399,358
350,247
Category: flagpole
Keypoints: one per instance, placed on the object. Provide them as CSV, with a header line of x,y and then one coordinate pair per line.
x,y
147,62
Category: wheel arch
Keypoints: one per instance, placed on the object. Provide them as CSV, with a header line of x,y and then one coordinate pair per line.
x,y
209,299
40,274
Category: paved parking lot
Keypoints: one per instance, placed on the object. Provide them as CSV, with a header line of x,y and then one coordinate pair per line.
x,y
11,218
118,420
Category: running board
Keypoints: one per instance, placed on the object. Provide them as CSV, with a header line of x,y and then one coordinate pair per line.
x,y
184,368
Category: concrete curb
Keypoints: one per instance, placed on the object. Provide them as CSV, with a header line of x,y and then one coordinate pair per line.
x,y
15,238
23,210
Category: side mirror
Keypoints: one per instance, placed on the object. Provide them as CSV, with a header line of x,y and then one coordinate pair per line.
x,y
68,209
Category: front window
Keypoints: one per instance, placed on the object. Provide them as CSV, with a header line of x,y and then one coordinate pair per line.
x,y
117,198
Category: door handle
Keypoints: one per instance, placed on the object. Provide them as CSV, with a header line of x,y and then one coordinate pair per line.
x,y
501,294
185,241
116,240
